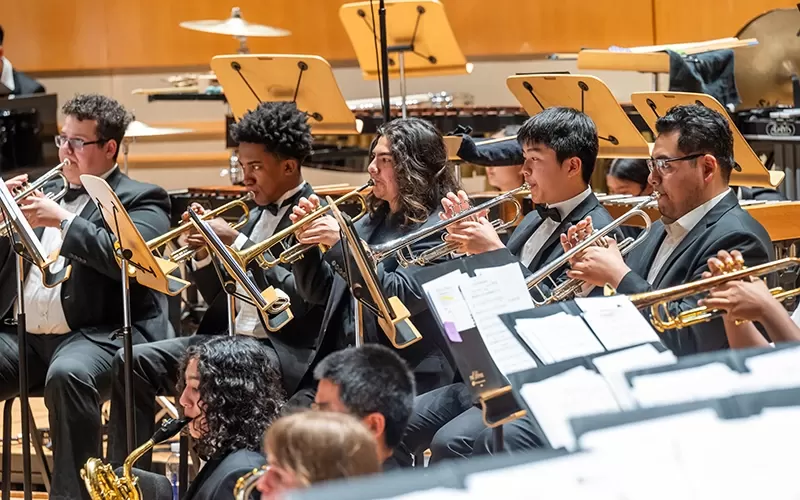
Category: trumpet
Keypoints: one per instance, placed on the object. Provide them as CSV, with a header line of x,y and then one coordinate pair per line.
x,y
247,483
185,253
261,252
401,247
567,289
29,188
658,301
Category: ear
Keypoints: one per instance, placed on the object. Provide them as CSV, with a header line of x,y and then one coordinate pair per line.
x,y
111,148
289,166
573,165
709,165
376,423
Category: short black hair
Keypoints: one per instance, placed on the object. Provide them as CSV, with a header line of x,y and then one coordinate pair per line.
x,y
111,117
700,130
568,132
373,379
631,169
280,127
2,35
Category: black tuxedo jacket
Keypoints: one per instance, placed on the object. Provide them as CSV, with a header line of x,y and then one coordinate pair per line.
x,y
294,343
24,85
319,282
726,227
218,477
767,194
92,296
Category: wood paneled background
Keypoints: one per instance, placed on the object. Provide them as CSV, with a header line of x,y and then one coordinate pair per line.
x,y
46,36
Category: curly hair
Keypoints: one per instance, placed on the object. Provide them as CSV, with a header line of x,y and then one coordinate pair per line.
x,y
111,117
420,167
240,393
280,127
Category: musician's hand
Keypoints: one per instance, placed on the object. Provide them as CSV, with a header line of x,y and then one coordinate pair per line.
x,y
577,233
196,208
743,300
321,231
724,263
599,265
16,182
41,211
474,236
304,207
453,204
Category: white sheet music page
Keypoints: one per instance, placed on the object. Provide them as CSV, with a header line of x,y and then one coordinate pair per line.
x,y
575,393
490,294
616,321
558,337
614,365
714,380
436,494
772,370
446,296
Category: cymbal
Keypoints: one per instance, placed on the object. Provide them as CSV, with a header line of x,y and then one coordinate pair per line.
x,y
139,129
764,71
234,26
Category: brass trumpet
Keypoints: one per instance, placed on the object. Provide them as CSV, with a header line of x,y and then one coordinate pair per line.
x,y
29,188
658,300
261,252
185,253
401,247
567,289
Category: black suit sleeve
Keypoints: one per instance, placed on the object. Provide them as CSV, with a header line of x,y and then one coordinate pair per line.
x,y
706,336
208,283
91,243
313,277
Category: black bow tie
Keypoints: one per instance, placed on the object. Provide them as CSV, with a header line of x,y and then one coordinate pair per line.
x,y
548,213
73,193
274,207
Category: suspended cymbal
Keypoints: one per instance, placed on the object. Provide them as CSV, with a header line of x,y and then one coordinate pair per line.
x,y
764,72
139,129
234,26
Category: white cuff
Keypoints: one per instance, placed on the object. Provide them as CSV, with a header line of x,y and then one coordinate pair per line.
x,y
240,241
69,220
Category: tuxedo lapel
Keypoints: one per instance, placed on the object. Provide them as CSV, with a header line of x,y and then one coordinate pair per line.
x,y
578,214
523,232
252,220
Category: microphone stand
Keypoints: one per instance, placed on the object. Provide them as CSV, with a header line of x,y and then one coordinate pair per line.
x,y
387,110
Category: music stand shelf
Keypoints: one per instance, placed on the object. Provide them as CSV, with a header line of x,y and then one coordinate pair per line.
x,y
306,80
619,138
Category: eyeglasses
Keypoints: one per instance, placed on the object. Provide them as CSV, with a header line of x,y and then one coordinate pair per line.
x,y
662,164
76,144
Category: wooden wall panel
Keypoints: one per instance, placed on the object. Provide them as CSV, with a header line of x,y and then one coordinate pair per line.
x,y
680,21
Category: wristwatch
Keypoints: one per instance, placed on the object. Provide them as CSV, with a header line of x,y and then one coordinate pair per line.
x,y
63,224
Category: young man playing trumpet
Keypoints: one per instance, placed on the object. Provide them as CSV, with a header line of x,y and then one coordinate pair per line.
x,y
560,148
273,139
69,326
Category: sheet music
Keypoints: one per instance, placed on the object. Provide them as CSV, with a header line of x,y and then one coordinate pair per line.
x,y
558,337
613,367
574,393
618,324
774,370
436,494
714,380
12,210
446,296
490,295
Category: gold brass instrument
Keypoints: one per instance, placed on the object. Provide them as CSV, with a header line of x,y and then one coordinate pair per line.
x,y
103,484
247,483
567,289
658,300
28,188
185,253
261,252
401,247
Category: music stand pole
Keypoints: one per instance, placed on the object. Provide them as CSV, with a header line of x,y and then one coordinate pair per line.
x,y
402,60
127,339
24,402
358,318
387,110
231,315
125,145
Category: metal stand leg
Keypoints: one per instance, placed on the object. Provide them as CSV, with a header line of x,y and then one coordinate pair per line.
x,y
22,340
8,408
127,338
497,439
358,313
41,460
403,107
125,157
231,315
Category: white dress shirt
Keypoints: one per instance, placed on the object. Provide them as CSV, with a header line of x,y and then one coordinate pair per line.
x,y
678,230
548,227
7,75
247,316
44,313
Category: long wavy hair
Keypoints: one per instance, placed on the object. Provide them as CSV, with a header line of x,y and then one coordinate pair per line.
x,y
240,393
420,167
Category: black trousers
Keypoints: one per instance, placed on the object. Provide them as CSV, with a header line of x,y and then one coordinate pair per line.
x,y
74,370
155,373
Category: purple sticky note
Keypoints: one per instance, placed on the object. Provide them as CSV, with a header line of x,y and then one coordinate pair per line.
x,y
452,331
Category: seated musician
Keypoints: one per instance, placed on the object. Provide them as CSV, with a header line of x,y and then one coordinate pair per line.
x,y
759,193
373,383
232,391
315,446
69,326
273,141
505,178
629,176
16,81
691,166
410,171
560,147
747,301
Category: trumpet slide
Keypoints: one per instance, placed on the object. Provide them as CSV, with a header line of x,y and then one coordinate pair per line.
x,y
556,292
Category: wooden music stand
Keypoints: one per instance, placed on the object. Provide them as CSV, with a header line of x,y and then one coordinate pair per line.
x,y
651,105
619,138
306,80
416,27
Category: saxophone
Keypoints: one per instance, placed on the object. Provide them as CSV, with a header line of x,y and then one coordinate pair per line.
x,y
103,484
247,483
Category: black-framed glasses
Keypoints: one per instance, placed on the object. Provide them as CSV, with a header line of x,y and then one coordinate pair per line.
x,y
662,165
76,144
